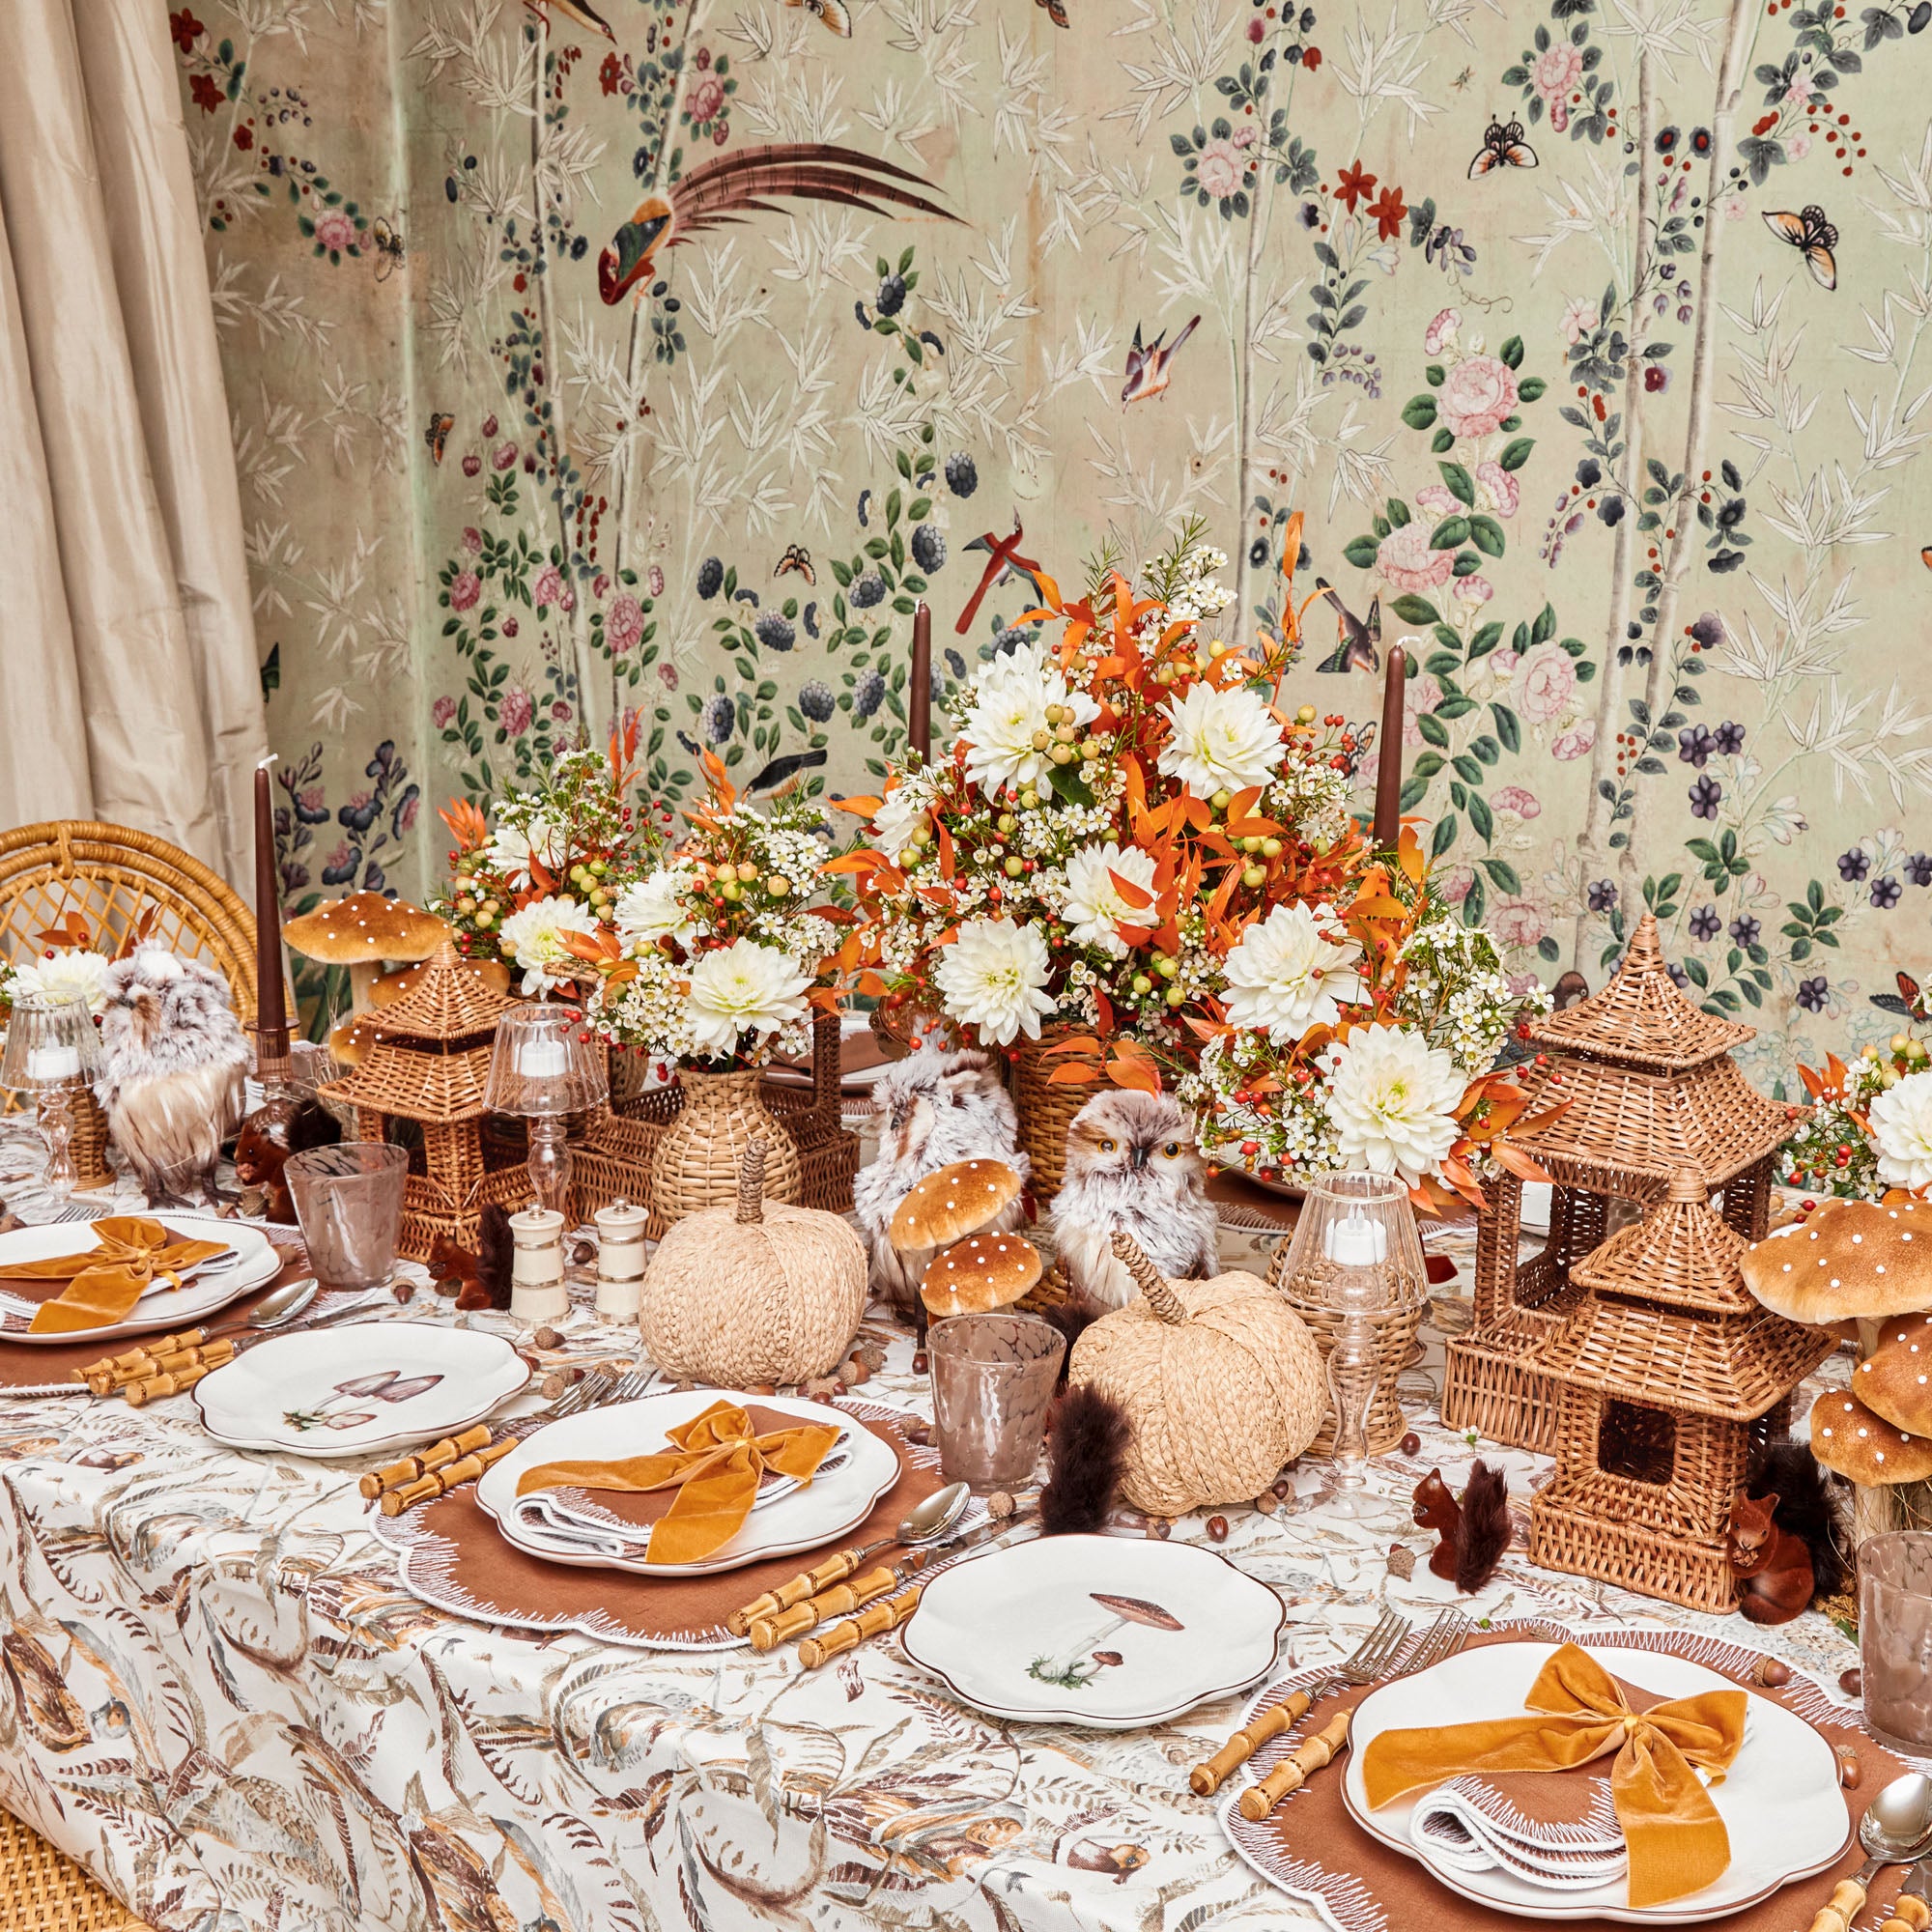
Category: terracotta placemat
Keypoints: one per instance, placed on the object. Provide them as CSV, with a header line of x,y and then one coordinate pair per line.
x,y
451,1555
1310,1847
39,1368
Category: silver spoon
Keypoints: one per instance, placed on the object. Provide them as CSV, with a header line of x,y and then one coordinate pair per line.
x,y
278,1305
1895,1830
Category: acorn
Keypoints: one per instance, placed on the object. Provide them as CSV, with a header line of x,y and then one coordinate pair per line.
x,y
1267,1502
1217,1528
1851,1682
1851,1773
1773,1672
1411,1444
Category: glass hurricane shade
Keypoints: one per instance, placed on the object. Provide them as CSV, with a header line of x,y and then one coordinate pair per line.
x,y
1357,1249
546,1064
51,1042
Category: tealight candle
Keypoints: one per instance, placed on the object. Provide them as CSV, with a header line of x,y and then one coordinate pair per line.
x,y
544,1058
537,1290
620,1259
53,1063
1356,1242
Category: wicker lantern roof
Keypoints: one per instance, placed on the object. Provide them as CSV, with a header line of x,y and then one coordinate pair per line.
x,y
448,1002
1640,1019
1680,1254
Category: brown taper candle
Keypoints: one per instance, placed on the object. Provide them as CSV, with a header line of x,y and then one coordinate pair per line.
x,y
272,1018
918,696
1388,746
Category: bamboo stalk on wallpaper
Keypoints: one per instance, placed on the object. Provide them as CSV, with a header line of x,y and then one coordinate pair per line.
x,y
1593,847
1742,32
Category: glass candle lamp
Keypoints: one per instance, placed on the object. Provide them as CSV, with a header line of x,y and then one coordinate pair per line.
x,y
1356,1251
52,1052
546,1064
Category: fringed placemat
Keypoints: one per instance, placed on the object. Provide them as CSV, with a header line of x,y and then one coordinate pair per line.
x,y
450,1553
1311,1848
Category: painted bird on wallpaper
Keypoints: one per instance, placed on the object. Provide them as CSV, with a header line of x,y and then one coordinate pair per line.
x,y
1132,1167
830,14
735,185
1357,640
1002,560
587,18
1149,367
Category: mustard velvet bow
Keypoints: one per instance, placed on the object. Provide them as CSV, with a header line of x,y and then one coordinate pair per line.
x,y
1677,1841
104,1282
716,1469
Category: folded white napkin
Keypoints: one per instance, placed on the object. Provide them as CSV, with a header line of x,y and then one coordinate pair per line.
x,y
1558,1832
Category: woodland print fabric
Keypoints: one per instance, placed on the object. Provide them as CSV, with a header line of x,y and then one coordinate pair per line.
x,y
659,354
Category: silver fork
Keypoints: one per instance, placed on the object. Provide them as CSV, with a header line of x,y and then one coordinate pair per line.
x,y
1450,1633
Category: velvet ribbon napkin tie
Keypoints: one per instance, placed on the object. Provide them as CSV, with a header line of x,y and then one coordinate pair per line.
x,y
130,1254
1677,1841
716,1468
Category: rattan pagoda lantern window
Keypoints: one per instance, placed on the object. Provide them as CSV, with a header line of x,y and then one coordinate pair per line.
x,y
1652,1092
1671,1379
428,1067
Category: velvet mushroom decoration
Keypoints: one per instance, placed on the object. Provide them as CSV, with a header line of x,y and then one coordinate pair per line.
x,y
964,1199
491,973
360,932
979,1274
1858,1443
1851,1261
1220,1379
755,1293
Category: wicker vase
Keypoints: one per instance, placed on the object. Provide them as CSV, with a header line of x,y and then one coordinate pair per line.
x,y
91,1167
1046,1111
697,1156
1394,1332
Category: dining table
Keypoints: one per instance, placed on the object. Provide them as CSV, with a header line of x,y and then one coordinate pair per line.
x,y
222,1697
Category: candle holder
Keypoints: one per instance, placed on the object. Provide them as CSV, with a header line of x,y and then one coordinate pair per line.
x,y
546,1064
1356,1253
53,1052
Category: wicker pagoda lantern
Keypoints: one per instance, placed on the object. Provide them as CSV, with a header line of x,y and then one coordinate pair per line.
x,y
1671,1378
427,1061
1652,1092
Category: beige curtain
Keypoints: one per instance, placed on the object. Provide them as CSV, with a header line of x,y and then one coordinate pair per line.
x,y
129,684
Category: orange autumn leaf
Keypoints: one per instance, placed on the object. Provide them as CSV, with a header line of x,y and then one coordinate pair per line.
x,y
1136,896
858,807
467,824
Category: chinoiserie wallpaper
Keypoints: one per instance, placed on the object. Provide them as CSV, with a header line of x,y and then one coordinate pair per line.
x,y
658,354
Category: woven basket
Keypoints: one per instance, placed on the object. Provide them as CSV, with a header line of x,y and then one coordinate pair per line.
x,y
1046,1111
41,1889
91,1168
1394,1331
697,1156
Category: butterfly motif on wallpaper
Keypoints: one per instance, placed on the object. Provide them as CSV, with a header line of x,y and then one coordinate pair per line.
x,y
389,248
1503,147
797,558
437,434
1056,11
1809,232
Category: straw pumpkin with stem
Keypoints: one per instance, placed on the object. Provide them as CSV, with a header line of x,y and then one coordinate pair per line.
x,y
757,1291
1221,1381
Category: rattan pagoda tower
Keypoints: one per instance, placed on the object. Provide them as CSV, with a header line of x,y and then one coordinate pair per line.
x,y
430,1065
1671,1379
1652,1092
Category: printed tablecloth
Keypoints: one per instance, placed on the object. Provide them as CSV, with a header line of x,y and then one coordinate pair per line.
x,y
217,1698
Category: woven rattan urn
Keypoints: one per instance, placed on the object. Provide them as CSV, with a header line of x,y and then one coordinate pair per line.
x,y
699,1156
1671,1378
429,1064
757,1291
1220,1380
1652,1091
1045,1110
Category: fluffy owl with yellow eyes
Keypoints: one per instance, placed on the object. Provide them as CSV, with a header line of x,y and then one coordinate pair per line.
x,y
1132,1167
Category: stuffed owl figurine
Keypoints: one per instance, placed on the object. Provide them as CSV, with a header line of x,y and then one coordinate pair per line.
x,y
935,1107
173,1063
1132,1167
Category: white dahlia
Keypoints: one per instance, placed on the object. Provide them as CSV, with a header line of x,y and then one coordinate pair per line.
x,y
1008,712
1291,970
993,977
1222,740
534,938
653,909
62,975
1392,1099
742,988
900,813
512,847
1901,1123
1095,909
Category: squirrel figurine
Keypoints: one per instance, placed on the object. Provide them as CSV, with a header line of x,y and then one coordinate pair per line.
x,y
1781,1544
1474,1531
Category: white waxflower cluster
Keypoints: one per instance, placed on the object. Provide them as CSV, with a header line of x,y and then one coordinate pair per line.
x,y
1458,993
1196,594
1311,795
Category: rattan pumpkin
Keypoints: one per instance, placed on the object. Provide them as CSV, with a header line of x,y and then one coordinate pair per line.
x,y
758,1292
1221,1381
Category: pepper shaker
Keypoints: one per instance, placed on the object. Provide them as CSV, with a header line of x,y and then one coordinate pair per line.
x,y
620,1259
537,1291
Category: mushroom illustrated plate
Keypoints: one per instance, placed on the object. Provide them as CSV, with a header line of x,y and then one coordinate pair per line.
x,y
1779,1800
359,1390
603,1529
250,1262
1109,1631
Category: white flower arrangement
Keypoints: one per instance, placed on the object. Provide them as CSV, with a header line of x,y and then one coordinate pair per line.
x,y
61,975
1901,1125
533,938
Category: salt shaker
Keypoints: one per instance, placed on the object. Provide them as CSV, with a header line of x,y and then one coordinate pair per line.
x,y
537,1291
620,1259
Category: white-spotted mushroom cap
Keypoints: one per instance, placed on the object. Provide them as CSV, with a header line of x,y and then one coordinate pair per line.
x,y
1895,1379
980,1273
957,1200
1859,1443
1849,1258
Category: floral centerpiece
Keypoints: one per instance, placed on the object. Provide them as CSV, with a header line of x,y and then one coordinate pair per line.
x,y
550,868
1368,1036
1108,806
67,963
1868,1131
